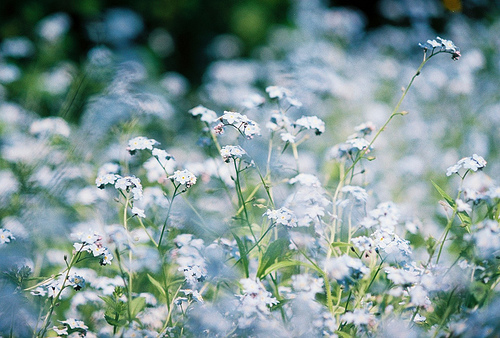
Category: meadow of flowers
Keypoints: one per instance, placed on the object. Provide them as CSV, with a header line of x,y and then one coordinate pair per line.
x,y
340,182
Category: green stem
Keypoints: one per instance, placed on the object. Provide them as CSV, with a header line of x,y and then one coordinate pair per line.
x,y
242,201
129,270
450,222
55,298
363,152
168,214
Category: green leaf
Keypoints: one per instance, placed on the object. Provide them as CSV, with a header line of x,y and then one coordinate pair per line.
x,y
465,219
243,254
137,305
157,285
274,251
443,194
113,321
462,215
340,244
287,263
110,301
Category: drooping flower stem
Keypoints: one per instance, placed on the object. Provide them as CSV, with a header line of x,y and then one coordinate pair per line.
x,y
363,152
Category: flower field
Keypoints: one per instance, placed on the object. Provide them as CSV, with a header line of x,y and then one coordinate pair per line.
x,y
339,181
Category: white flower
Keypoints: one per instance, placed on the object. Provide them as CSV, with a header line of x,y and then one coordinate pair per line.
x,y
102,180
462,206
358,193
277,92
5,236
228,152
358,317
251,129
401,276
140,143
234,118
287,137
138,212
474,163
419,296
365,128
54,26
306,179
50,126
254,302
282,216
345,266
363,243
60,332
195,294
184,177
254,100
106,257
207,115
358,143
311,122
74,324
161,155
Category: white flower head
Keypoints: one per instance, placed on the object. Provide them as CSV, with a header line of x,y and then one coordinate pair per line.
x,y
184,177
474,163
102,180
276,92
282,216
140,143
306,179
232,152
207,115
311,122
50,126
462,206
5,236
139,212
74,324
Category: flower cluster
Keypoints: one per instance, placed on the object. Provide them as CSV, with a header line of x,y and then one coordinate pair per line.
x,y
441,45
140,143
70,325
232,152
6,236
91,242
282,216
351,147
254,303
311,122
207,115
189,257
183,177
282,93
474,163
241,122
346,269
50,126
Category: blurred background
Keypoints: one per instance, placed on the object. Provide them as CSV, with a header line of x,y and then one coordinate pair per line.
x,y
186,36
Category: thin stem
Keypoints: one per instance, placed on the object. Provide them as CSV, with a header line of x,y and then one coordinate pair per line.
x,y
450,221
363,152
129,269
176,187
55,298
242,200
